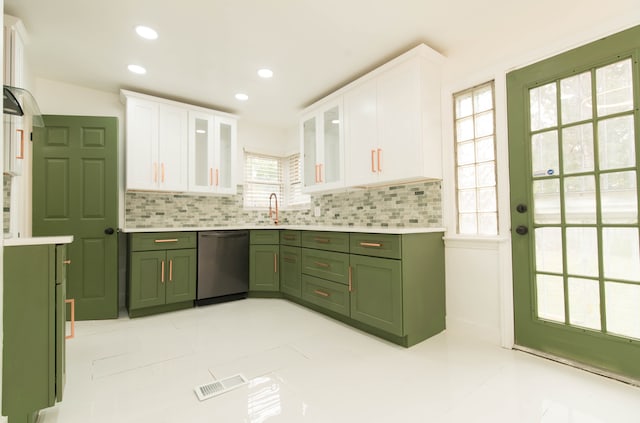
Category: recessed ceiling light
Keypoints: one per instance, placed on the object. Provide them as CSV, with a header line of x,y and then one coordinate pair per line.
x,y
242,97
265,73
200,131
335,121
137,69
146,32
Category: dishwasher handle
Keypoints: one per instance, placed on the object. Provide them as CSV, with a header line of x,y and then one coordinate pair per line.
x,y
224,235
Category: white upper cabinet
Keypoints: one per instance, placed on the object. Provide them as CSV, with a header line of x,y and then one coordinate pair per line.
x,y
212,153
322,145
176,147
16,131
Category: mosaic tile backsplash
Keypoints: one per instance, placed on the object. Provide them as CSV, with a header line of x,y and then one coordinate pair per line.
x,y
6,202
409,205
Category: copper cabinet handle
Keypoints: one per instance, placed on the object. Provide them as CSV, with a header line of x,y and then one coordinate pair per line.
x,y
66,262
155,172
159,241
162,272
289,259
210,176
170,270
21,154
275,263
289,237
324,294
320,173
72,301
373,153
320,264
162,167
371,244
317,173
350,277
379,159
217,177
322,240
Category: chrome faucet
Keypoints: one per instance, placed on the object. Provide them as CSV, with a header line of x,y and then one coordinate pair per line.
x,y
273,195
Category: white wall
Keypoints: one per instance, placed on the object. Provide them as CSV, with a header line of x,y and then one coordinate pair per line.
x,y
478,271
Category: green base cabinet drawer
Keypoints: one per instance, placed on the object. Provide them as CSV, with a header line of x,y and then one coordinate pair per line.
x,y
330,241
326,264
290,282
326,294
264,236
376,245
163,241
376,293
291,238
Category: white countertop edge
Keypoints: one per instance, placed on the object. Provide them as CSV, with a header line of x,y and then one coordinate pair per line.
x,y
38,240
360,229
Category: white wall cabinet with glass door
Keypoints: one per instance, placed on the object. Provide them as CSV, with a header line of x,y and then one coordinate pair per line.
x,y
16,134
322,146
392,121
212,153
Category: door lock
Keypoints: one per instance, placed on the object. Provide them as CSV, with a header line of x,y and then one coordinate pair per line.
x,y
521,208
522,230
109,231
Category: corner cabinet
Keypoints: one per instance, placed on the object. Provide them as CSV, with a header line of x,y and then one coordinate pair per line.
x,y
264,251
322,145
162,272
177,147
212,153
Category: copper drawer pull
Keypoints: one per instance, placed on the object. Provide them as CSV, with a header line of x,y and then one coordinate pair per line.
x,y
289,237
275,263
322,240
320,264
289,259
155,172
217,177
170,270
379,159
162,167
373,153
350,277
320,173
159,241
324,294
210,176
73,318
66,262
162,272
371,244
21,154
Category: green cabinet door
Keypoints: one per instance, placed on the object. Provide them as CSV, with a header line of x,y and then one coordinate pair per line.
x,y
376,293
147,279
290,282
61,318
264,274
180,276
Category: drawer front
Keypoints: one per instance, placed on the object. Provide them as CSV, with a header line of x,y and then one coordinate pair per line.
x,y
331,241
163,241
326,264
330,295
264,236
376,245
291,238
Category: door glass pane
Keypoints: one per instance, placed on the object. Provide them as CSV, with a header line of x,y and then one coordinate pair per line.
x,y
201,152
550,296
464,106
488,223
577,148
548,250
546,201
483,99
584,303
331,163
487,199
582,251
623,305
224,168
580,199
544,153
464,129
614,86
466,153
575,98
467,201
543,107
466,177
621,253
619,197
616,143
484,124
309,138
485,150
486,174
468,223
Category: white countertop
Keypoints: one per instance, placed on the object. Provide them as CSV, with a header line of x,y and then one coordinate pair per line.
x,y
38,240
364,229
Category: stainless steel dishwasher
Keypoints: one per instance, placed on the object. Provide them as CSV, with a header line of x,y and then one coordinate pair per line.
x,y
223,266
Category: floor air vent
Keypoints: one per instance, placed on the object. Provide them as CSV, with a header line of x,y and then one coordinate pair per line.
x,y
213,389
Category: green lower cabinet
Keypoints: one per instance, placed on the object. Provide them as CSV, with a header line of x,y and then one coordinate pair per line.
x,y
146,284
181,278
376,293
264,274
290,282
330,295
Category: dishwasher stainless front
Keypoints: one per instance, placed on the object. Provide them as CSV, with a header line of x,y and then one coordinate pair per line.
x,y
223,266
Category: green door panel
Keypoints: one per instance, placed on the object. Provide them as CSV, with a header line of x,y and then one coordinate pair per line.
x,y
290,271
263,267
147,279
326,264
181,275
376,293
75,192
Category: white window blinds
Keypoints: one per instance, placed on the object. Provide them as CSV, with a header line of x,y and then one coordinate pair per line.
x,y
263,176
295,196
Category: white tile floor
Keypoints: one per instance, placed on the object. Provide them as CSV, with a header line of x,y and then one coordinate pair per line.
x,y
304,367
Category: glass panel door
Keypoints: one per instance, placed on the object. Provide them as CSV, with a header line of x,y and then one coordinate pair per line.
x,y
332,145
310,162
223,176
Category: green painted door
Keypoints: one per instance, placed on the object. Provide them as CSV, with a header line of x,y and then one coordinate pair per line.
x,y
181,276
376,292
147,279
574,149
75,192
290,282
263,268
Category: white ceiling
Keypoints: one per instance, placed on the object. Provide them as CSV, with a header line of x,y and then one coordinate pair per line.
x,y
210,49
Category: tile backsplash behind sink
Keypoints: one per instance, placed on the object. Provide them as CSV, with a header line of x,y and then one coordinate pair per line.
x,y
408,205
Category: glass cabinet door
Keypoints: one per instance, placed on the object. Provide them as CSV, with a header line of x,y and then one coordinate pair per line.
x,y
332,150
310,140
223,172
201,152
